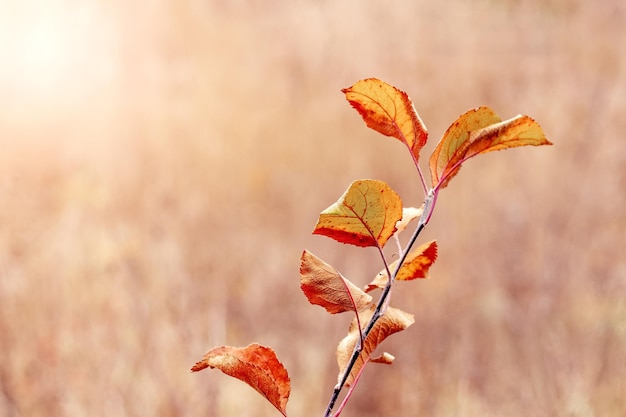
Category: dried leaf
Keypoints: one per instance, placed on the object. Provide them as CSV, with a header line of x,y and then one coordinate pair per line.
x,y
393,321
365,215
385,358
480,131
408,214
416,265
255,365
389,111
324,286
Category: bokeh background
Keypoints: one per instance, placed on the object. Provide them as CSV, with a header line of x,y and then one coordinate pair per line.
x,y
163,163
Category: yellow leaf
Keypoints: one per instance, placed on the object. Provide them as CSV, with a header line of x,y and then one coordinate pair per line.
x,y
389,111
518,131
365,215
480,131
449,150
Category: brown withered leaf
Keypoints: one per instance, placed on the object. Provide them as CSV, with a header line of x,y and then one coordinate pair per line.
x,y
416,266
255,365
323,285
393,321
446,158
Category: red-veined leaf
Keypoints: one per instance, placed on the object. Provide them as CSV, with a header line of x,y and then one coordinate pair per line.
x,y
451,147
365,215
389,111
517,131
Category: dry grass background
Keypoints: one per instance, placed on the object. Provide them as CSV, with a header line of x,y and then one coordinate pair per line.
x,y
163,164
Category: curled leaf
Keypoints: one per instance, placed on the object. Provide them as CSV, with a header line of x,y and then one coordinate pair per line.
x,y
389,111
416,266
324,286
255,365
385,358
365,215
393,321
480,131
408,214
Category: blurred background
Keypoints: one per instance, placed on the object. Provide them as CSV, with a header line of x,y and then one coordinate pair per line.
x,y
163,164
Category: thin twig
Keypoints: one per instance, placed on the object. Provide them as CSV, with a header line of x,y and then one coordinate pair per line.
x,y
377,314
351,390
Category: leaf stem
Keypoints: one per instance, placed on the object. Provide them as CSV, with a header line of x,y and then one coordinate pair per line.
x,y
419,171
356,312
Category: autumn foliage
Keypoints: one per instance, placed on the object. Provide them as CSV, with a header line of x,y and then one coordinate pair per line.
x,y
256,365
369,214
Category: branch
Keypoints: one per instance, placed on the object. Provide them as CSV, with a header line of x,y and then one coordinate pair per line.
x,y
382,302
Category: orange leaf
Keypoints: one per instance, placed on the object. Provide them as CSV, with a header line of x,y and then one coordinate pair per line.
x,y
449,150
416,265
365,215
480,131
255,365
518,131
393,321
324,286
389,111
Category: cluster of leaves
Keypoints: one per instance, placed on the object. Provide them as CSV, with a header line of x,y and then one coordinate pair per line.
x,y
369,214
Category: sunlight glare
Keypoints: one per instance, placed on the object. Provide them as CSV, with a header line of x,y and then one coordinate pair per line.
x,y
48,48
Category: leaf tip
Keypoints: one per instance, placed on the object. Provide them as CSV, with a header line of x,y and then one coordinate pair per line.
x,y
199,366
